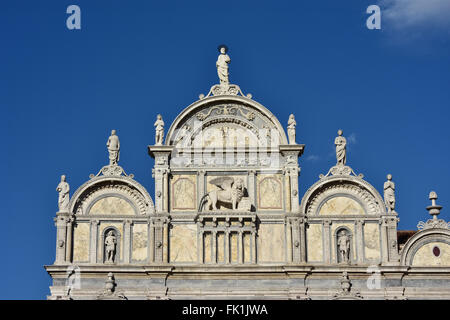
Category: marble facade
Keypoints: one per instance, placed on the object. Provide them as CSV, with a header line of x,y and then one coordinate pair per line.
x,y
266,239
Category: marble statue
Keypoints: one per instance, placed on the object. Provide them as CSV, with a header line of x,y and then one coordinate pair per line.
x,y
341,153
222,65
159,127
343,243
63,197
389,194
291,129
110,244
231,191
113,145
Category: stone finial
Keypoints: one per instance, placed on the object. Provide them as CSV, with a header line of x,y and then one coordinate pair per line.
x,y
63,189
434,210
113,145
159,128
291,129
222,65
110,284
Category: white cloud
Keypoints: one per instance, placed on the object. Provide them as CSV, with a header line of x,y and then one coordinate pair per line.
x,y
409,14
351,139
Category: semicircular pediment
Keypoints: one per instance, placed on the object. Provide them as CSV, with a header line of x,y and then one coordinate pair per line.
x,y
338,196
215,121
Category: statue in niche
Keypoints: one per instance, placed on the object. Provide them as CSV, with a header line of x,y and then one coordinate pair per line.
x,y
113,145
389,194
222,65
343,244
63,197
231,192
341,153
291,129
110,247
159,127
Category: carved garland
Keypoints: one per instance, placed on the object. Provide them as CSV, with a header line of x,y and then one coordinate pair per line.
x,y
367,198
105,188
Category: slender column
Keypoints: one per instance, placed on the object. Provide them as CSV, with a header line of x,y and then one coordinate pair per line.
x,y
61,234
384,240
200,243
227,255
251,186
166,242
158,175
359,240
327,243
254,247
151,241
290,241
241,247
302,228
293,174
214,244
392,239
69,239
127,240
201,185
166,173
93,241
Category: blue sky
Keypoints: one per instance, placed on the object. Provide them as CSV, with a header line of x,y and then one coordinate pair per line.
x,y
62,91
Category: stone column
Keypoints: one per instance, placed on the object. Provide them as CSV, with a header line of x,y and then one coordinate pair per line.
x,y
158,174
69,239
214,244
166,241
359,237
201,185
166,173
151,234
227,254
61,234
241,247
200,243
254,247
93,241
251,186
384,240
302,235
127,241
290,240
293,175
392,239
327,241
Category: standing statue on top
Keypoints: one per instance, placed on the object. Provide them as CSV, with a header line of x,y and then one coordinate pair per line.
x,y
291,129
389,194
341,152
222,65
159,127
113,145
63,197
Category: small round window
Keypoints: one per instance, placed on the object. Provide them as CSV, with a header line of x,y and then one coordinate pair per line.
x,y
436,251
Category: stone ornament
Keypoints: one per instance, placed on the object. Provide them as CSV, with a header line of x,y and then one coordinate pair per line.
x,y
291,129
346,292
434,210
389,194
341,156
110,247
63,189
225,87
343,243
159,128
341,152
113,145
232,192
109,292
